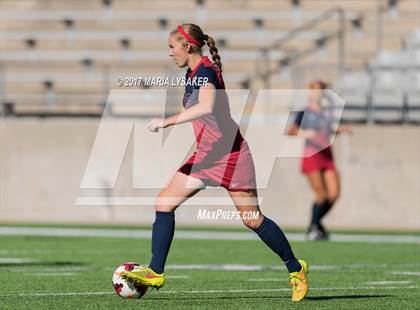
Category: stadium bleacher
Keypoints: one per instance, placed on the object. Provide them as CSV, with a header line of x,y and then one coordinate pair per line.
x,y
387,90
56,56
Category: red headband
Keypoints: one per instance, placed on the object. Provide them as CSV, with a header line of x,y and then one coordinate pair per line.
x,y
189,39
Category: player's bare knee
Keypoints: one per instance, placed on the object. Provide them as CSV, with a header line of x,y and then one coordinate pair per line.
x,y
320,196
163,204
252,223
164,208
333,197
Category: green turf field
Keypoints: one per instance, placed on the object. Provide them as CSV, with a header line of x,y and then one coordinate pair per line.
x,y
75,273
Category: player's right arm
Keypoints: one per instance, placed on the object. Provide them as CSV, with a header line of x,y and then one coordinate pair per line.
x,y
205,106
296,128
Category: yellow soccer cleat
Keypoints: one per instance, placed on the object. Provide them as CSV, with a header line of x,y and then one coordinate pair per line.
x,y
145,276
299,281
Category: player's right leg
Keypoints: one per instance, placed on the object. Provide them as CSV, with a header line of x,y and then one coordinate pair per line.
x,y
315,229
271,234
331,183
180,188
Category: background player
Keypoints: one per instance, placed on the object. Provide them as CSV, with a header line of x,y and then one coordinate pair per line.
x,y
314,123
222,158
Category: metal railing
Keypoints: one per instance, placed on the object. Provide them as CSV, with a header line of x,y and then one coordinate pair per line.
x,y
295,56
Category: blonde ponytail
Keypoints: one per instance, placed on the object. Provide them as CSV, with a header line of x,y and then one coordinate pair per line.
x,y
214,52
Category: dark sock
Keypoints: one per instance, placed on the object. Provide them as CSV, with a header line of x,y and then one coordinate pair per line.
x,y
316,213
162,235
274,237
325,208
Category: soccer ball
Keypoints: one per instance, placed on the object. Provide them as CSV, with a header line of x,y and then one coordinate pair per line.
x,y
125,288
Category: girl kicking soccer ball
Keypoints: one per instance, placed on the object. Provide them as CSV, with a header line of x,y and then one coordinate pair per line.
x,y
222,158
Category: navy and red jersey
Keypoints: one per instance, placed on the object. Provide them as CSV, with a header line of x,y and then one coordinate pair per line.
x,y
204,69
320,122
219,126
317,152
222,157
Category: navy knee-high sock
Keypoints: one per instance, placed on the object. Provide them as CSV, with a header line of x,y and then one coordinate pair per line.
x,y
316,213
326,207
162,235
274,237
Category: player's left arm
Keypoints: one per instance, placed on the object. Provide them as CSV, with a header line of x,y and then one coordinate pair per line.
x,y
205,106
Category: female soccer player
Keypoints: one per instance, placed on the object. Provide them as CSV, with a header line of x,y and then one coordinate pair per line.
x,y
317,162
222,158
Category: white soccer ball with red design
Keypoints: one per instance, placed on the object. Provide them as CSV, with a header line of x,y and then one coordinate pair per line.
x,y
125,288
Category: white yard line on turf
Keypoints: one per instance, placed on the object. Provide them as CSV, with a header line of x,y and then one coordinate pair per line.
x,y
13,260
405,273
196,234
289,289
351,288
241,267
47,270
266,280
387,282
23,251
230,267
50,274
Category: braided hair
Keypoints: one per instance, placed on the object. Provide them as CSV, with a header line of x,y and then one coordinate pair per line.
x,y
214,51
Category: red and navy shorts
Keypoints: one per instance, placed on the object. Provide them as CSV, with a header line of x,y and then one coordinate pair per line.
x,y
320,161
234,171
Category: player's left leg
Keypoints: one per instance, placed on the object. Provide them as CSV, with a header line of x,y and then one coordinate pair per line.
x,y
274,238
331,184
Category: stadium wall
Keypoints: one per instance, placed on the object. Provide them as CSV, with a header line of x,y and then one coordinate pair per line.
x,y
43,162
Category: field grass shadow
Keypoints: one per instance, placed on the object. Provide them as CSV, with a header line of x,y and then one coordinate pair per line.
x,y
345,297
309,298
